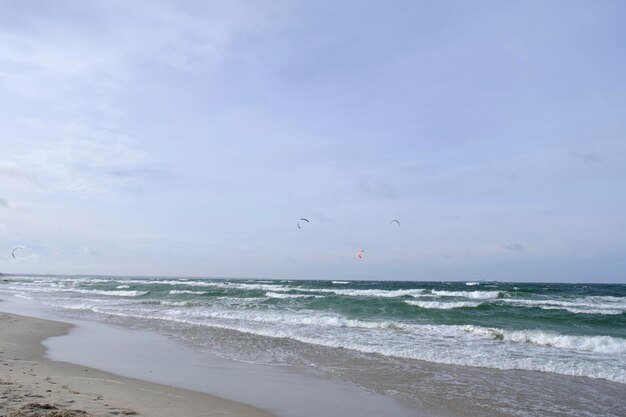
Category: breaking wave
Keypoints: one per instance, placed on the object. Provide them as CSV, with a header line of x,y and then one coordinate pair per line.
x,y
443,305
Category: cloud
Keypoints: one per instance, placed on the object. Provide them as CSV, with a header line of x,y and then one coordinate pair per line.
x,y
79,73
96,56
513,247
3,203
80,157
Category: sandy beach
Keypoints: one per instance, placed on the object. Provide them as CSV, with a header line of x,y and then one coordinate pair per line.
x,y
31,385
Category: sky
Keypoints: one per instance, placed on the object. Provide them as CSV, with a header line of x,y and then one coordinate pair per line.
x,y
186,138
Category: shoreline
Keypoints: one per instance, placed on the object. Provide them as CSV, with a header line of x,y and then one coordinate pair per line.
x,y
32,385
173,337
126,351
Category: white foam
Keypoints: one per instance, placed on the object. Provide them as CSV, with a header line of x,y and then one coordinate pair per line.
x,y
482,295
298,319
340,282
120,287
24,296
239,300
112,293
598,344
347,292
285,288
62,289
587,305
174,303
174,292
443,305
172,282
284,295
471,284
369,293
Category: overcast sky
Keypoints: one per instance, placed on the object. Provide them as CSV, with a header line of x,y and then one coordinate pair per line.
x,y
187,138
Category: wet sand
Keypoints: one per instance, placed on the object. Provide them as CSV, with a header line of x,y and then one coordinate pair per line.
x,y
127,349
31,385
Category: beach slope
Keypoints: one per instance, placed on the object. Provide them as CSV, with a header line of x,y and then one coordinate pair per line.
x,y
31,385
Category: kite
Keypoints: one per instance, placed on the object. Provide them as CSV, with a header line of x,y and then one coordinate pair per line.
x,y
15,249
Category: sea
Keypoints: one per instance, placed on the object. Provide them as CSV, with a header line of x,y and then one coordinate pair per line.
x,y
443,348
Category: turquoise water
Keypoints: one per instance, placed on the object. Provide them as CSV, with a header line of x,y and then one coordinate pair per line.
x,y
568,329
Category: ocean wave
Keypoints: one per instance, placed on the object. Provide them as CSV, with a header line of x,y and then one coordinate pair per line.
x,y
85,303
174,303
274,287
472,283
296,319
73,290
482,295
80,280
448,344
79,306
587,305
190,283
241,299
596,344
285,295
445,339
494,360
175,292
574,310
301,289
369,293
111,293
443,305
24,296
120,287
340,282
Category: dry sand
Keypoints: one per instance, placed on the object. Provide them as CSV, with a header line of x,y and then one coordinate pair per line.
x,y
31,385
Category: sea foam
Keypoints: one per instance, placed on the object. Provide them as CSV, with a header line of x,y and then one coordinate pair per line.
x,y
112,293
483,295
442,305
176,292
